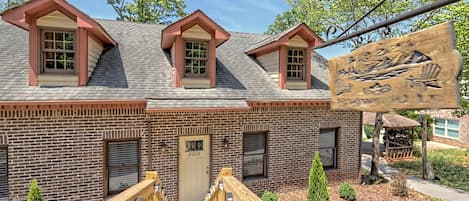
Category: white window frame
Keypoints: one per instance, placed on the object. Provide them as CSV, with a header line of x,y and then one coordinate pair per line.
x,y
446,128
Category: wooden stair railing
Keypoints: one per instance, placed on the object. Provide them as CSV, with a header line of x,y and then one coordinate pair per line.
x,y
147,190
228,188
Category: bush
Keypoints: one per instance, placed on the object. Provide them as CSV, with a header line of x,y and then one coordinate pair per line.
x,y
347,192
269,196
369,131
34,193
399,185
317,185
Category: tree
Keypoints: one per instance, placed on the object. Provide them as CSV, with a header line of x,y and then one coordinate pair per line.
x,y
6,4
34,193
459,13
317,185
148,11
320,14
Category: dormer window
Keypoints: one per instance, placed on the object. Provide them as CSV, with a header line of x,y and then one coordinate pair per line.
x,y
64,43
196,53
287,56
192,42
296,64
58,52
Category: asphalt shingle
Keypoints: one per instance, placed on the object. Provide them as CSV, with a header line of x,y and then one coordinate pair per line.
x,y
138,68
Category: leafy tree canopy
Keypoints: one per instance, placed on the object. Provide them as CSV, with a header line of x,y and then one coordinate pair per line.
x,y
6,4
148,11
321,14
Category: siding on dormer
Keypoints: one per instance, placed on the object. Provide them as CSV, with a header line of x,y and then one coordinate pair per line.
x,y
56,19
196,32
94,53
270,63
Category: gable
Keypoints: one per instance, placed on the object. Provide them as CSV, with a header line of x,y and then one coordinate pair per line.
x,y
297,41
56,19
196,32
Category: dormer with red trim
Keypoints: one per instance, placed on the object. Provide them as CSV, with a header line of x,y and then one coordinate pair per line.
x,y
192,42
64,43
287,56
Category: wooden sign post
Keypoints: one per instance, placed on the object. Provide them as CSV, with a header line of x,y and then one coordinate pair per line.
x,y
416,71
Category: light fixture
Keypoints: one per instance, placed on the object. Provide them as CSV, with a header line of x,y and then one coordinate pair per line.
x,y
226,142
156,188
163,147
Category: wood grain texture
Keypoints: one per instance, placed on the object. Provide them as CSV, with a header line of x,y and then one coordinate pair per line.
x,y
416,71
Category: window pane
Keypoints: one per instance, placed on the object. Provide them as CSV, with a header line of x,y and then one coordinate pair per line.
x,y
48,45
3,174
202,70
253,165
122,163
327,138
50,64
440,122
453,133
59,36
121,178
48,35
454,124
439,131
254,144
327,157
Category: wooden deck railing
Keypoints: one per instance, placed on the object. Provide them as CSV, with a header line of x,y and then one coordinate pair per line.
x,y
228,188
147,190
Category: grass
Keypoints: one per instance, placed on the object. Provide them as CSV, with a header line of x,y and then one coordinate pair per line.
x,y
450,167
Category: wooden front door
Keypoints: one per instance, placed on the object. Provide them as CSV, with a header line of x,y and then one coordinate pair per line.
x,y
194,167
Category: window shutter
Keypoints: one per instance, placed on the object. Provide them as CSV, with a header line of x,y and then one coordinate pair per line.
x,y
122,161
3,175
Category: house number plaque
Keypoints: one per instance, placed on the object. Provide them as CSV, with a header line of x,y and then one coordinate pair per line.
x,y
416,71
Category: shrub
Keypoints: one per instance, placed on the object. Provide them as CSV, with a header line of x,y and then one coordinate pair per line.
x,y
369,131
34,193
317,185
269,196
347,192
399,185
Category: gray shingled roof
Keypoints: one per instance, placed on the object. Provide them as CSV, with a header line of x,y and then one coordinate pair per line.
x,y
138,68
272,38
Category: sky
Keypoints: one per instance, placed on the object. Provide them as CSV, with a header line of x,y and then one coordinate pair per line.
x,y
253,16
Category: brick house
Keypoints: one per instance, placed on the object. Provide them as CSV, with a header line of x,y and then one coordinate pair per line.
x,y
450,129
87,106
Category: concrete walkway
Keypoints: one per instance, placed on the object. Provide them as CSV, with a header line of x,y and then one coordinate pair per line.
x,y
418,184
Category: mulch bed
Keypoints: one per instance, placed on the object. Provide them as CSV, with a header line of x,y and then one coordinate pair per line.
x,y
380,192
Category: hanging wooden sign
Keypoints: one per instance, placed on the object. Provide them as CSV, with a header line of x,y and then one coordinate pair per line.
x,y
416,71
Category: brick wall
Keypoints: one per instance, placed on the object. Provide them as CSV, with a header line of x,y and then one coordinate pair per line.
x,y
64,151
463,140
291,141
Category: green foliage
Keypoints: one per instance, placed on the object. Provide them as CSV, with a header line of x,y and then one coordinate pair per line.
x,y
451,167
34,193
317,185
347,192
369,131
412,114
148,11
6,4
269,196
320,14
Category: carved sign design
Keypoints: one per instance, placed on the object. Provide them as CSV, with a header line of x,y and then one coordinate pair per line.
x,y
416,71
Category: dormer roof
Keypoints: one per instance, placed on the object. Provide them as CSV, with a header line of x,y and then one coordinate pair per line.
x,y
21,16
196,18
282,38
